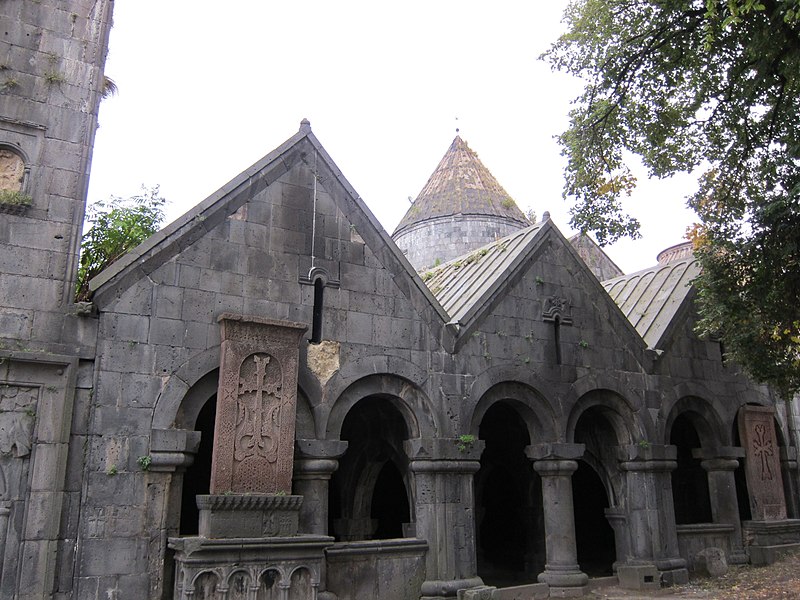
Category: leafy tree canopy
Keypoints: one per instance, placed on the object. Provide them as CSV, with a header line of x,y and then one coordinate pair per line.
x,y
708,84
116,226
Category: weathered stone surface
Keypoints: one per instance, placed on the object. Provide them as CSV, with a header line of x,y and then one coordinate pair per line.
x,y
639,577
711,562
254,431
762,463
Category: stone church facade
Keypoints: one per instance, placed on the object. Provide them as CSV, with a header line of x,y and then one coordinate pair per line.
x,y
267,400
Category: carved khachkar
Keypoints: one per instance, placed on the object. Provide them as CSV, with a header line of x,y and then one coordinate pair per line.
x,y
256,401
762,463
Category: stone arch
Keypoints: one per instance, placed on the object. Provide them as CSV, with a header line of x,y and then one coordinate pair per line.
x,y
371,492
703,415
169,402
238,584
630,426
688,429
509,520
301,584
603,421
532,407
401,393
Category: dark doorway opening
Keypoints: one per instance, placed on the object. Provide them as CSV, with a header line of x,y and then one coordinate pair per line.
x,y
593,534
740,479
389,503
592,488
368,495
689,480
197,478
510,522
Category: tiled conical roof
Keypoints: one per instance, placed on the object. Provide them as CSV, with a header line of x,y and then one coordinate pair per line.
x,y
461,184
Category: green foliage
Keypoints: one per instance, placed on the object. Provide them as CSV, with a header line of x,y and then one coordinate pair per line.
x,y
709,84
144,462
465,442
15,198
116,226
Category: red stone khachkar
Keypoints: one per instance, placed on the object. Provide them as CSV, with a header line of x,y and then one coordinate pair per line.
x,y
762,463
256,402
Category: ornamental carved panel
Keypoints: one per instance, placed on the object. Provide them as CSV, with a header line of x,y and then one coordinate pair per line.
x,y
762,463
256,403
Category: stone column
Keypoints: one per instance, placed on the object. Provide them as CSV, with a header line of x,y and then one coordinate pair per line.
x,y
172,451
314,463
556,463
444,504
619,523
720,464
651,513
790,482
5,511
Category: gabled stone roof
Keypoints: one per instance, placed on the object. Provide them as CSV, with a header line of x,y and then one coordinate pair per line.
x,y
651,299
460,284
461,185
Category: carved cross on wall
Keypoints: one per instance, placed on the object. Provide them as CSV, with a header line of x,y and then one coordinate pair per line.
x,y
558,311
762,448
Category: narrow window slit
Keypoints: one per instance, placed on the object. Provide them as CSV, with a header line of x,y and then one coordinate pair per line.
x,y
557,338
316,326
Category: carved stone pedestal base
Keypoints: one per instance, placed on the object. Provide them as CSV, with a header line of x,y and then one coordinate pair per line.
x,y
769,540
248,515
278,568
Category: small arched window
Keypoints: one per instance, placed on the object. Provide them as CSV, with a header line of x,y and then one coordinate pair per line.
x,y
316,325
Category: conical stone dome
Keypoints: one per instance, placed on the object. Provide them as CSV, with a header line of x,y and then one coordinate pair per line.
x,y
461,208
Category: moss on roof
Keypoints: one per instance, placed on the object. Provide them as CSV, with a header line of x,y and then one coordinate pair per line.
x,y
461,185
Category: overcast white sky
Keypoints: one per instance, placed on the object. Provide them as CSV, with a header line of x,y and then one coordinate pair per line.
x,y
208,88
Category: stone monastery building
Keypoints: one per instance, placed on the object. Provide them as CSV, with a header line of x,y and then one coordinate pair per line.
x,y
272,398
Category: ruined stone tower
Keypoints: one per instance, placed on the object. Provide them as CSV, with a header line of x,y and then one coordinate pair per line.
x,y
462,207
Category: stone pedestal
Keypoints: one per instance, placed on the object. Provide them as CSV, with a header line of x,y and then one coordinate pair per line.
x,y
720,464
443,472
556,463
651,515
278,568
618,521
770,540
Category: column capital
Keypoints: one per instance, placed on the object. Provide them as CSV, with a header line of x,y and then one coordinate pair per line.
x,y
465,448
172,449
555,451
719,464
323,449
722,452
551,467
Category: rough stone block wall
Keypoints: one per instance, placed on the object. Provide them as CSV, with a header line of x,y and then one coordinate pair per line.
x,y
52,55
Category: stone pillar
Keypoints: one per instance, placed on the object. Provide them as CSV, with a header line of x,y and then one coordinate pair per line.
x,y
619,523
314,463
5,511
172,451
720,464
651,513
443,470
556,463
790,480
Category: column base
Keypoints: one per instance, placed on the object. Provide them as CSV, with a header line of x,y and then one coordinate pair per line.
x,y
565,581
